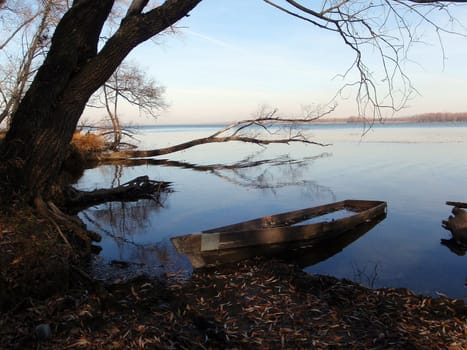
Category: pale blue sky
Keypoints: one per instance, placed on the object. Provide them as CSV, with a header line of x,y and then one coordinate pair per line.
x,y
230,57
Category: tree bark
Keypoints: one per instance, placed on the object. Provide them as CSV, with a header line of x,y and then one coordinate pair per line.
x,y
126,154
35,146
36,143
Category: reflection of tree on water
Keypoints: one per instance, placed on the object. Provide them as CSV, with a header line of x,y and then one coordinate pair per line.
x,y
121,220
118,172
249,172
367,274
150,259
272,174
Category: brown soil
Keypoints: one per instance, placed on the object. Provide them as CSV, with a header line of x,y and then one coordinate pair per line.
x,y
48,302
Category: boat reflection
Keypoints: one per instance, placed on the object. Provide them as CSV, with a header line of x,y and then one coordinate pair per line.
x,y
305,256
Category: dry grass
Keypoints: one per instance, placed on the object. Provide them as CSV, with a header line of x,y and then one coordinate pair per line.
x,y
88,142
85,142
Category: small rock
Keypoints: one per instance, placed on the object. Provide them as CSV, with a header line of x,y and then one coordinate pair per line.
x,y
43,331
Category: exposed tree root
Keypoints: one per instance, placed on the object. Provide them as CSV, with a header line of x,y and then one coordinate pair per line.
x,y
72,224
60,232
71,229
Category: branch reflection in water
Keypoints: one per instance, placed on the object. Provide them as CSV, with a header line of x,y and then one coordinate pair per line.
x,y
120,222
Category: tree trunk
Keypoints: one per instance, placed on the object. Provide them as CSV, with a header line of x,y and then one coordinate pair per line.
x,y
41,129
36,144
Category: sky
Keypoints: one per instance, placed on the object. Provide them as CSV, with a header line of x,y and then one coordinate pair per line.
x,y
229,58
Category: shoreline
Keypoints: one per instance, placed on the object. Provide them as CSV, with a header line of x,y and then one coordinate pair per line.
x,y
48,301
253,304
361,123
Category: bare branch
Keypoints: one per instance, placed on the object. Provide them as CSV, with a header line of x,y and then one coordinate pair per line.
x,y
283,9
31,34
136,7
278,131
364,26
131,84
17,30
197,142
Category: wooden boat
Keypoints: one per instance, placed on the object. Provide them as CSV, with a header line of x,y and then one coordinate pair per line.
x,y
306,254
290,229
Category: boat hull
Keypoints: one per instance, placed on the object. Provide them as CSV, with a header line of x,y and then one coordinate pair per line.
x,y
265,235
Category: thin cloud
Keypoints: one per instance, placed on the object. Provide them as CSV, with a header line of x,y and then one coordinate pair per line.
x,y
214,41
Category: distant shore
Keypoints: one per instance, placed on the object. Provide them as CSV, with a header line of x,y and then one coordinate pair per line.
x,y
439,117
416,119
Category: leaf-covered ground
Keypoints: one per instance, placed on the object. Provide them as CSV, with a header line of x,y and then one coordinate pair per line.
x,y
254,304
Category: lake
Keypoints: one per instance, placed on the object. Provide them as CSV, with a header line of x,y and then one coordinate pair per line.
x,y
415,168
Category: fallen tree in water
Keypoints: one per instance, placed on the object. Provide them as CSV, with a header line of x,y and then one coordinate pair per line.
x,y
266,129
139,188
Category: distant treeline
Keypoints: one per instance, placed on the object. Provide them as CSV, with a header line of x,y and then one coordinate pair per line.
x,y
419,118
434,117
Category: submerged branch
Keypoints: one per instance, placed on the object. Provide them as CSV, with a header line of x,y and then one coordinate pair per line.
x,y
139,188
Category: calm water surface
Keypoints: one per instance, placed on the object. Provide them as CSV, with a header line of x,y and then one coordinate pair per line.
x,y
415,168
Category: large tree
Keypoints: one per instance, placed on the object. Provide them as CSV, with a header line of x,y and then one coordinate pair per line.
x,y
35,146
34,149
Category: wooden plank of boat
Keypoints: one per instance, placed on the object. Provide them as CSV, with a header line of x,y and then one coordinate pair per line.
x,y
301,253
277,229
